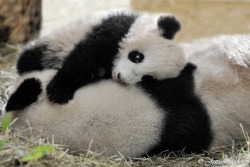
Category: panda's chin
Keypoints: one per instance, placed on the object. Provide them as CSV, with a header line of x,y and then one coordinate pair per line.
x,y
132,81
126,78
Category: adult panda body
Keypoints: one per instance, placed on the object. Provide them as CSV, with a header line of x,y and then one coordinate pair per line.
x,y
84,51
115,118
145,119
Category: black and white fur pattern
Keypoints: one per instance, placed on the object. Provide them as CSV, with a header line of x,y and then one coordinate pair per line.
x,y
146,119
203,105
222,80
202,108
84,52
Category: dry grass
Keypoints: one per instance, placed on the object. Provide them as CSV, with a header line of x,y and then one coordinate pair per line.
x,y
7,70
14,146
17,146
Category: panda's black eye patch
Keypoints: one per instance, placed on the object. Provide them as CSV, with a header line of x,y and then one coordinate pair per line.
x,y
135,56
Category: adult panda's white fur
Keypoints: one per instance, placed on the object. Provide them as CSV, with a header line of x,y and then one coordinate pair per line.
x,y
222,80
115,117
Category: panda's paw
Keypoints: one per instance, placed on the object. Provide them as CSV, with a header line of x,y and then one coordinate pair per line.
x,y
58,91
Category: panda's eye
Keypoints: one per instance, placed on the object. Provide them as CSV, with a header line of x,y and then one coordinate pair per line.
x,y
135,56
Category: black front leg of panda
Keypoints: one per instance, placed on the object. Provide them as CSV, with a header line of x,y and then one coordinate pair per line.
x,y
76,72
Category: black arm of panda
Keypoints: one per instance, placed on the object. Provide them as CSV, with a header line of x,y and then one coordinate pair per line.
x,y
96,51
75,72
171,89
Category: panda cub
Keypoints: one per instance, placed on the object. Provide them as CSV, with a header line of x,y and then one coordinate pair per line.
x,y
85,51
146,119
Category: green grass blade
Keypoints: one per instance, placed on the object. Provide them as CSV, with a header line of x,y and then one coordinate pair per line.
x,y
37,153
6,121
1,145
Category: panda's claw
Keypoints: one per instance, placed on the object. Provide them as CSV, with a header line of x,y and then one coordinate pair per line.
x,y
58,91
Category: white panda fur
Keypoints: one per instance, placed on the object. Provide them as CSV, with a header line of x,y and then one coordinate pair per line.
x,y
222,80
115,117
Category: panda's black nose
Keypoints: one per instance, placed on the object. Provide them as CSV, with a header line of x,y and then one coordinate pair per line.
x,y
119,76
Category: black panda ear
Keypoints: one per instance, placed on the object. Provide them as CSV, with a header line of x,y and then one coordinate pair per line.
x,y
26,94
169,25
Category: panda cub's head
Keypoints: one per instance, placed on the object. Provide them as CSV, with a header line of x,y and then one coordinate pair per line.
x,y
148,49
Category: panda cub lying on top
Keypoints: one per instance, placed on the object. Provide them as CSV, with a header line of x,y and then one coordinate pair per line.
x,y
85,51
194,109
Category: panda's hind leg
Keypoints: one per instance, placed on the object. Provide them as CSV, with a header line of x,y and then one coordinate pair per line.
x,y
37,56
30,59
